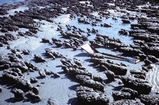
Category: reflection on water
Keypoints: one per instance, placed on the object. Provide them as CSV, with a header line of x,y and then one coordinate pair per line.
x,y
9,1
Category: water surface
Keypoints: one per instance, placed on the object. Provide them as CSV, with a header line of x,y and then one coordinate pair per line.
x,y
9,1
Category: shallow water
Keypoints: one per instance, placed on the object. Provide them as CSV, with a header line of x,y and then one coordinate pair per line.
x,y
153,78
9,1
62,89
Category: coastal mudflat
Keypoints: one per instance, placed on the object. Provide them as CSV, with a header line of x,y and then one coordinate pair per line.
x,y
42,61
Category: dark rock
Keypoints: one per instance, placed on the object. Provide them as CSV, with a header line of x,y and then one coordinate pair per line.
x,y
33,80
117,69
110,75
50,55
58,43
153,29
77,62
98,78
19,82
84,38
56,75
30,66
152,58
133,93
42,74
26,52
35,90
5,66
97,55
65,68
75,71
47,72
33,97
123,32
69,35
9,37
20,65
57,54
129,51
13,57
102,67
150,99
147,62
18,94
51,102
66,62
67,44
39,59
18,71
142,57
81,78
80,20
4,30
87,81
88,96
138,74
118,95
53,54
3,11
141,86
0,89
126,102
145,68
105,25
1,44
126,21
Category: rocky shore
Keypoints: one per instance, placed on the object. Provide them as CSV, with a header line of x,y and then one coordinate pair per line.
x,y
42,62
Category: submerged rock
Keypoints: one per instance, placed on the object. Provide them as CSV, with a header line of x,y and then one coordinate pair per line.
x,y
51,102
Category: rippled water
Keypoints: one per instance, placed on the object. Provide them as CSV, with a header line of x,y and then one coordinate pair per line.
x,y
9,1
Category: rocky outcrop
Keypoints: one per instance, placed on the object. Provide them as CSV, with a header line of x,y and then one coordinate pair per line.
x,y
87,81
150,99
88,96
125,93
127,102
141,86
